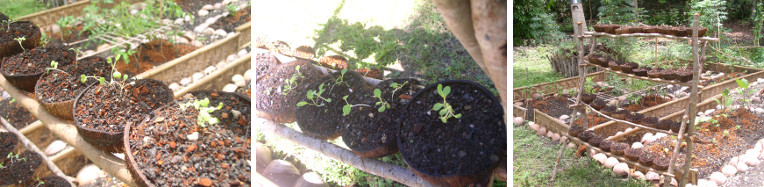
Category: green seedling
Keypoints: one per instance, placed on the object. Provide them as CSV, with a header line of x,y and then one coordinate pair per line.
x,y
205,111
396,87
341,78
39,182
446,110
21,39
232,9
347,108
726,132
312,95
743,90
291,83
381,103
53,65
13,100
7,23
726,100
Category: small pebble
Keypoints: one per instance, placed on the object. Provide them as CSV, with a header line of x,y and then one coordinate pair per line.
x,y
218,5
564,117
230,58
555,137
207,7
55,147
209,70
209,31
229,88
178,21
639,175
742,167
187,18
718,178
203,12
652,176
637,145
185,81
174,87
221,32
88,174
729,170
621,169
241,83
242,53
193,136
599,157
236,78
248,75
197,76
610,162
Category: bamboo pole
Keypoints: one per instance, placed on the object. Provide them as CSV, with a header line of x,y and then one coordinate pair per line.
x,y
23,139
693,100
373,166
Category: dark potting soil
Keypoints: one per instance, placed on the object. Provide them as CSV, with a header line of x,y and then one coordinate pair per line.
x,y
20,170
17,29
154,53
365,129
167,157
36,60
15,114
58,86
264,62
553,106
710,156
246,90
3,17
468,145
71,34
322,119
8,142
230,22
53,181
193,6
274,100
646,102
108,107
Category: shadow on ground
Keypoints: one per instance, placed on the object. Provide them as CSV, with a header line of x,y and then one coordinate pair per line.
x,y
424,48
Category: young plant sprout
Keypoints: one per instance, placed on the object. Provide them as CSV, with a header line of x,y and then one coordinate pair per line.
x,y
39,182
341,78
21,39
53,65
381,103
205,111
313,94
7,24
232,9
396,87
115,74
446,110
346,109
291,83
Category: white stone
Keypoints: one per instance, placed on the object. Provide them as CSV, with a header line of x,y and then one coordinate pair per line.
x,y
166,21
230,58
197,43
237,77
759,110
197,76
751,160
187,18
248,75
718,178
659,135
242,53
174,87
178,21
709,111
741,167
208,7
533,126
639,175
55,147
621,169
610,162
637,145
707,183
612,102
755,99
220,32
185,81
310,179
759,80
645,137
541,132
103,47
193,136
88,174
183,40
619,133
571,145
564,117
218,5
627,129
734,161
241,83
221,64
229,88
621,98
652,176
729,170
263,155
549,134
6,95
203,12
210,21
599,157
518,120
199,28
209,70
55,28
208,31
133,12
119,155
753,152
281,172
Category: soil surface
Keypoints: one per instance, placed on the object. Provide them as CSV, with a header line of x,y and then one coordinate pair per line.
x,y
53,181
264,63
36,60
18,171
276,99
321,119
646,102
218,156
8,142
70,34
192,6
15,114
65,85
154,53
370,132
17,29
471,144
230,22
553,106
108,107
592,120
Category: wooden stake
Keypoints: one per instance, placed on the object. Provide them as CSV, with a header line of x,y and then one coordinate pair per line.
x,y
23,139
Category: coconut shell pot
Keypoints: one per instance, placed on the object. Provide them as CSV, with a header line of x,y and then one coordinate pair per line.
x,y
598,104
668,74
661,162
588,98
629,67
584,136
619,148
595,140
650,122
665,124
606,144
642,71
646,159
609,110
633,153
620,114
615,65
575,130
684,75
654,73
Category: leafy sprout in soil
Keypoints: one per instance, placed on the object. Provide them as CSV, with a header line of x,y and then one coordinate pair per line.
x,y
312,93
743,90
205,111
21,39
382,103
232,9
446,110
7,24
291,83
347,108
115,74
395,87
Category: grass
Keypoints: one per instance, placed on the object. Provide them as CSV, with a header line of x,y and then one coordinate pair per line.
x,y
530,66
18,8
533,162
